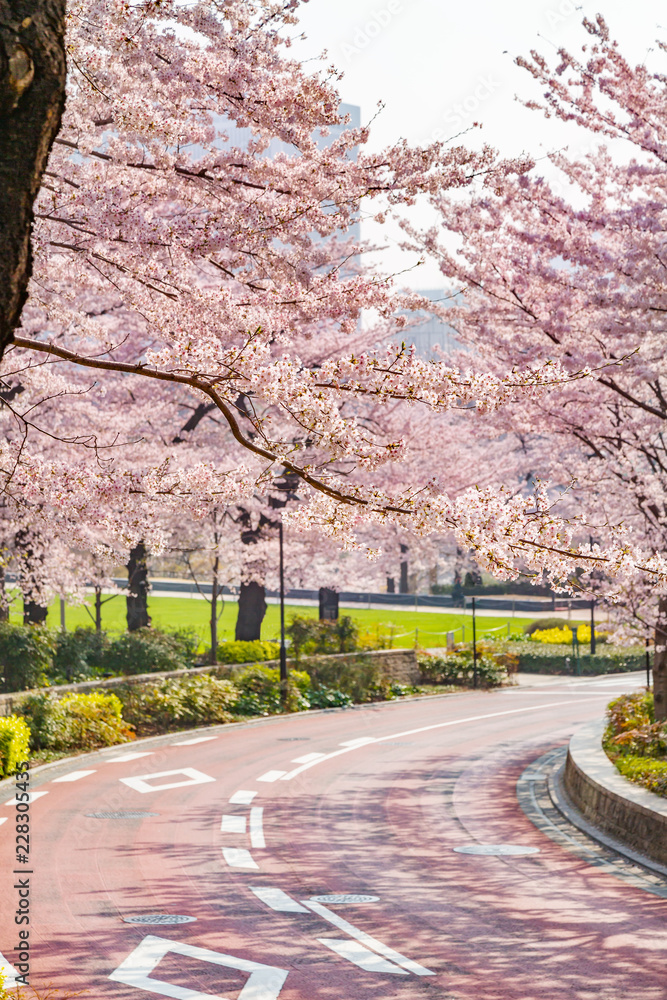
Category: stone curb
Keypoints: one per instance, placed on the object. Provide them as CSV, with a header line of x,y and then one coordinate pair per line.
x,y
611,803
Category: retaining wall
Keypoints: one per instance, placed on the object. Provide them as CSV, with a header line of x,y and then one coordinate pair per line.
x,y
609,801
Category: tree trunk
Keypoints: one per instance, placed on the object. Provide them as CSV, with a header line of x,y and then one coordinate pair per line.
x,y
4,603
32,97
213,656
252,608
98,609
403,585
660,663
137,587
34,613
328,604
391,585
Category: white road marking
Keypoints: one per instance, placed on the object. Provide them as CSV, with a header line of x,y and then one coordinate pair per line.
x,y
198,739
233,824
142,783
359,742
272,775
238,857
8,972
242,797
423,729
277,899
307,757
72,776
365,959
364,938
31,798
123,757
257,827
3,819
264,983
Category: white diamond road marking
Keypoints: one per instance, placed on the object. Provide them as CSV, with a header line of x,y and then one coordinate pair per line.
x,y
233,824
365,959
242,797
366,939
143,782
31,798
271,775
265,981
123,757
197,739
277,899
257,827
73,776
307,757
238,857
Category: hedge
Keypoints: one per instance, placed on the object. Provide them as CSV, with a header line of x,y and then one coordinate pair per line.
x,y
536,658
26,654
75,721
14,744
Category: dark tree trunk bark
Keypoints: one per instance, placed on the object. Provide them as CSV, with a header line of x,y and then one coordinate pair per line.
x,y
98,609
660,663
252,608
403,586
32,97
391,585
328,604
33,613
137,587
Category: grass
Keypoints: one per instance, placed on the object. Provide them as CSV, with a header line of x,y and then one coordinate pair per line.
x,y
172,613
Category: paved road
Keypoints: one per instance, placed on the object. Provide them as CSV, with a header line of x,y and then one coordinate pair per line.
x,y
241,827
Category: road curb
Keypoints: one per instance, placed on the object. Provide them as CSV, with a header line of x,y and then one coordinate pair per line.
x,y
627,813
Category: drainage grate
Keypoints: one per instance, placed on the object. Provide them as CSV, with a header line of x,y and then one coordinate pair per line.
x,y
159,918
497,850
129,814
346,897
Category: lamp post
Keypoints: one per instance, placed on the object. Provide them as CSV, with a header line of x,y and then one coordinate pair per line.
x,y
592,628
474,646
283,651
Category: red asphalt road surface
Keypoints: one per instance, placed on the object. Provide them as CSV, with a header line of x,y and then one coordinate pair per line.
x,y
380,819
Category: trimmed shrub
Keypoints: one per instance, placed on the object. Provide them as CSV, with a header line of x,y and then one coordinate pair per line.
x,y
324,697
635,742
359,677
75,721
540,658
559,636
178,702
77,654
26,655
148,651
252,651
14,744
645,771
310,636
259,691
546,623
459,669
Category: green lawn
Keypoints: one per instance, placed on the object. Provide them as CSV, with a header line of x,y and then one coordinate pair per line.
x,y
404,626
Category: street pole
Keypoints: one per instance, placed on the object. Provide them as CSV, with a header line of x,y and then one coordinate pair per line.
x,y
592,628
283,652
474,646
648,665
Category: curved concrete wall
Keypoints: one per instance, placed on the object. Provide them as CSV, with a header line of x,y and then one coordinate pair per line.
x,y
609,801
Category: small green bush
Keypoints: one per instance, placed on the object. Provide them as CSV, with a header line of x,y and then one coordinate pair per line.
x,y
646,771
310,636
77,654
635,742
148,651
14,744
254,651
544,624
26,655
259,691
536,658
359,677
325,697
178,702
458,668
75,721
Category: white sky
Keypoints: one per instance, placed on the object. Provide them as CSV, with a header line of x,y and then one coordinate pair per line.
x,y
439,65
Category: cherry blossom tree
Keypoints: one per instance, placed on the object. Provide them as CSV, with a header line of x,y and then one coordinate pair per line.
x,y
573,269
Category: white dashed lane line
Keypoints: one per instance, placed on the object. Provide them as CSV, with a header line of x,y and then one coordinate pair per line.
x,y
31,798
355,952
257,827
272,775
73,776
124,757
277,899
3,819
242,797
233,824
190,743
239,857
308,757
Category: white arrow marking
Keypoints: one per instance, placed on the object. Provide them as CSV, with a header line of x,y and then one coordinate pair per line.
x,y
142,783
265,982
257,827
371,942
365,959
277,899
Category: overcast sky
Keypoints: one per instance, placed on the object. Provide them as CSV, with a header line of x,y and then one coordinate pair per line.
x,y
438,65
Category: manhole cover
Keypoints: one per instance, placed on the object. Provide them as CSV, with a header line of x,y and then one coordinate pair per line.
x,y
130,814
496,849
159,918
346,897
